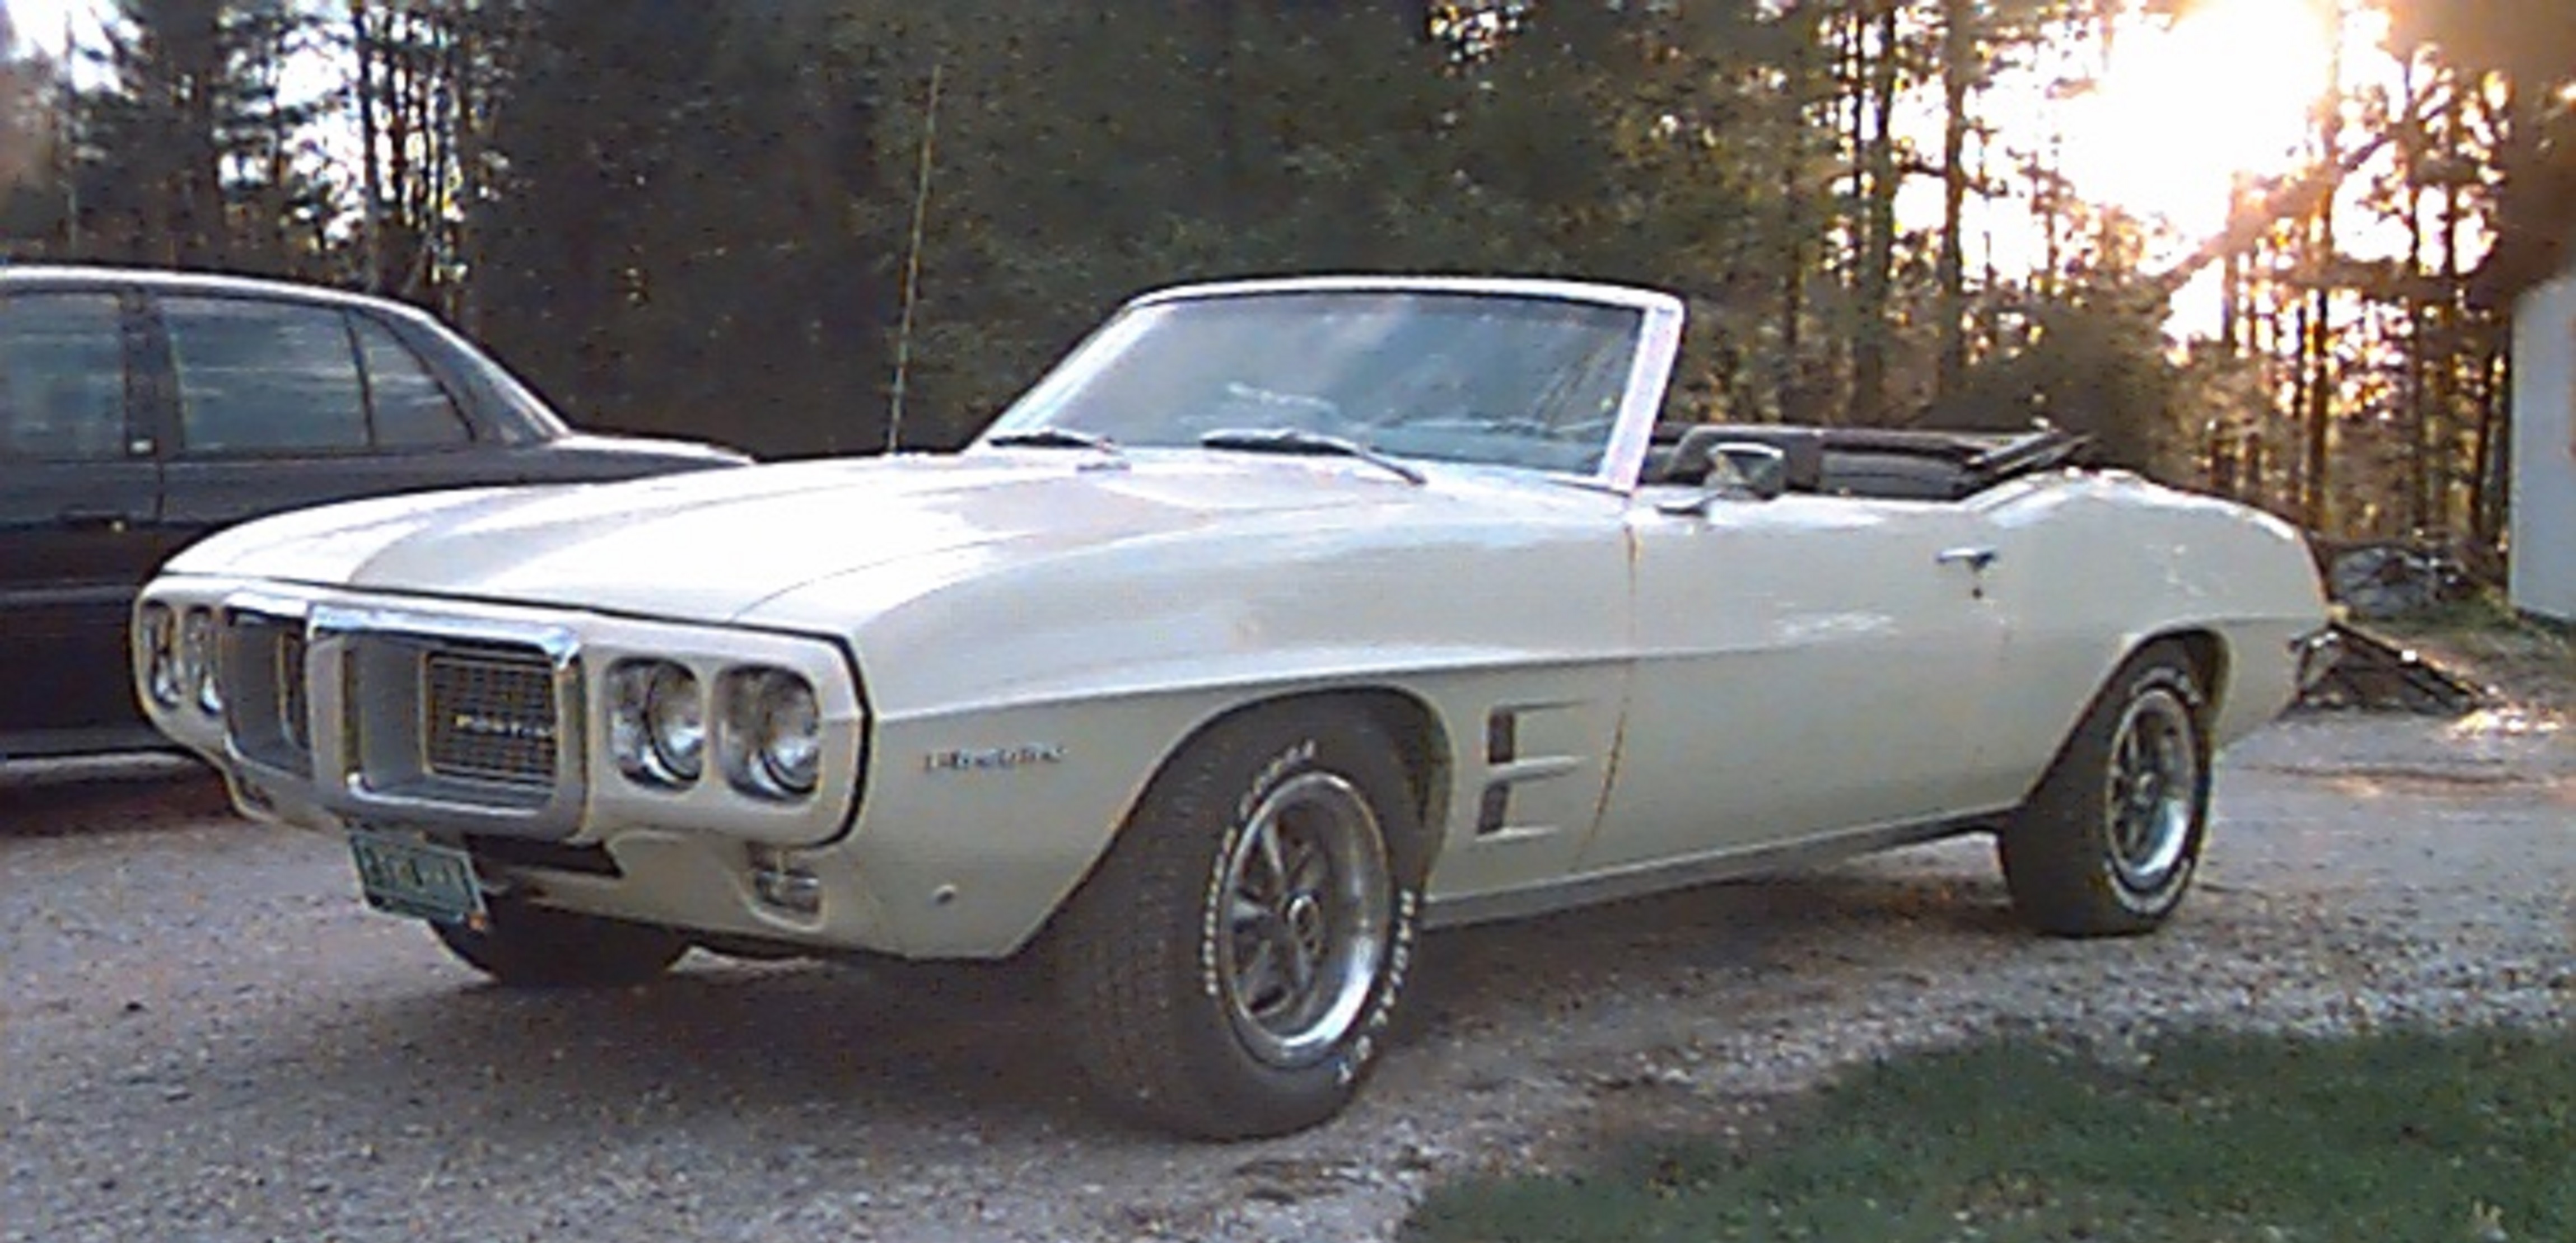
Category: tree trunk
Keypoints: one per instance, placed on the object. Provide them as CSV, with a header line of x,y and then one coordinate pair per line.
x,y
1878,258
1959,73
372,207
2411,155
2317,506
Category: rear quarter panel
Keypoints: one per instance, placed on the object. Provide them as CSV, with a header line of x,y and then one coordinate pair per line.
x,y
2095,566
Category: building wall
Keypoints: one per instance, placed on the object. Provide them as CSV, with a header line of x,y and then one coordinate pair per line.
x,y
2544,448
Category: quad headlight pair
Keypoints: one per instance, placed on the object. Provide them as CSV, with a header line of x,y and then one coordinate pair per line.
x,y
763,725
179,658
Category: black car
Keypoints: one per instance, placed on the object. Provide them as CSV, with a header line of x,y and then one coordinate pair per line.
x,y
140,410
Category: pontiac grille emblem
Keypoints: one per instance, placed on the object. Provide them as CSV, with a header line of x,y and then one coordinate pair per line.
x,y
478,725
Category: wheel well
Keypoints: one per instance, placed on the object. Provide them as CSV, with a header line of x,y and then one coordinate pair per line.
x,y
1420,744
2208,655
1421,748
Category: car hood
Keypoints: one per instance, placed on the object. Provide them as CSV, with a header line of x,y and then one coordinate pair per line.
x,y
713,545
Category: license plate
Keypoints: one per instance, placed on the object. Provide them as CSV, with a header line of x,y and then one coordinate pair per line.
x,y
407,876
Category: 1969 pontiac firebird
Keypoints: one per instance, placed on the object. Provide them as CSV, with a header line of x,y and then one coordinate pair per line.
x,y
1280,621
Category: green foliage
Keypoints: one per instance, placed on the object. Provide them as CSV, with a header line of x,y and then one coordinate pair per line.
x,y
2208,1137
699,219
683,240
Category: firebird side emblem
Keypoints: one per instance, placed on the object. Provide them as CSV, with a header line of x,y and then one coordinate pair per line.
x,y
476,725
993,759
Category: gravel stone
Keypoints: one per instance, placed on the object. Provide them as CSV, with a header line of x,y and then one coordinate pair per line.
x,y
204,1036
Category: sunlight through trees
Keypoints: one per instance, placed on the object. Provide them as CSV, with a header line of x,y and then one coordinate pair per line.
x,y
2240,241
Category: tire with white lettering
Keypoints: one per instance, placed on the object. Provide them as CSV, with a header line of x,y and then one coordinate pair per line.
x,y
2108,844
537,947
1231,966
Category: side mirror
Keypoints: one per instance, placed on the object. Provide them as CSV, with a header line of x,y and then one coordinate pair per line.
x,y
1759,469
1726,467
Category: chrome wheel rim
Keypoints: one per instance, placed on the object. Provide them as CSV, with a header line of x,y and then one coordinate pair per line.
x,y
1305,907
2154,790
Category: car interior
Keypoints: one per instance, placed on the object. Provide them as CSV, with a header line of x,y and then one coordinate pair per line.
x,y
1871,462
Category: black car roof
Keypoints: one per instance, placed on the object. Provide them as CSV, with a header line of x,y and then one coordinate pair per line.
x,y
166,280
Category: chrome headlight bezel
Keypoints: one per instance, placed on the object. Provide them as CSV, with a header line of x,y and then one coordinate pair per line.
x,y
771,735
658,723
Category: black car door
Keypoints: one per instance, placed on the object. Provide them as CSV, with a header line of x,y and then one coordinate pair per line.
x,y
79,488
276,404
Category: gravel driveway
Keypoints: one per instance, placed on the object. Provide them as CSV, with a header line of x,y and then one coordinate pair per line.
x,y
202,1035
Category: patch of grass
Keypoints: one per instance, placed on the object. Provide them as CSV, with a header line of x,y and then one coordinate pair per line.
x,y
2531,659
2210,1138
2484,613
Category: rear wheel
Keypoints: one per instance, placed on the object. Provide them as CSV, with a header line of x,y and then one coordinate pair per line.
x,y
536,947
1231,967
2108,844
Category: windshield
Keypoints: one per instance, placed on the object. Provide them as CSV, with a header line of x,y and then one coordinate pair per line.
x,y
1462,377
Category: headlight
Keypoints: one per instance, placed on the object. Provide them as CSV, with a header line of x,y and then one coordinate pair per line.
x,y
197,661
657,723
160,640
773,734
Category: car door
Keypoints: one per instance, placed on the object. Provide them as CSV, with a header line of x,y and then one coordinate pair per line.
x,y
276,404
79,492
1805,665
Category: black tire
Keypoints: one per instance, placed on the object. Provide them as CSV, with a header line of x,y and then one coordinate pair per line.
x,y
2108,844
535,947
1302,820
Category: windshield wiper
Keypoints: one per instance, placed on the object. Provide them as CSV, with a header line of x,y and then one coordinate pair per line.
x,y
1316,444
1054,438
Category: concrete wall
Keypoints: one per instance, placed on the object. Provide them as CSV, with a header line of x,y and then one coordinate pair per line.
x,y
2544,448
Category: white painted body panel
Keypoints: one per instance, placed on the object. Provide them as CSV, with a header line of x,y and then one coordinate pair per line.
x,y
1682,688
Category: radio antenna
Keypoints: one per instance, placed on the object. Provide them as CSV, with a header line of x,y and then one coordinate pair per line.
x,y
912,261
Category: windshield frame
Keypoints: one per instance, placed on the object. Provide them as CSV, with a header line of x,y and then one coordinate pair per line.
x,y
1657,341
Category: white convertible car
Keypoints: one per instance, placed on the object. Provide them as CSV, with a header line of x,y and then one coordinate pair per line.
x,y
1282,620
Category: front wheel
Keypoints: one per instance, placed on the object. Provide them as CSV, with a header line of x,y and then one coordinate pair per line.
x,y
536,947
1231,967
2108,844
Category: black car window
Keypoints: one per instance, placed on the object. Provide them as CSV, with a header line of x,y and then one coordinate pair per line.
x,y
263,378
62,377
412,409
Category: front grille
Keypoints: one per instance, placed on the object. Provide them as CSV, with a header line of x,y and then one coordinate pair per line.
x,y
262,671
297,727
489,716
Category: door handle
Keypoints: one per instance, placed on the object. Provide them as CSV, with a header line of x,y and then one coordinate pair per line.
x,y
1976,559
83,518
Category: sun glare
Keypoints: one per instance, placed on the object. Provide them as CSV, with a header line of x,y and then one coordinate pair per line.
x,y
2180,111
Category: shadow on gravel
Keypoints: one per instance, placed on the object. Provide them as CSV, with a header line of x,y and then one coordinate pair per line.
x,y
838,1052
121,794
715,1045
1706,936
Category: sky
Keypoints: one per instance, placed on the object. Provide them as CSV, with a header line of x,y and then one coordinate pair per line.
x,y
39,23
